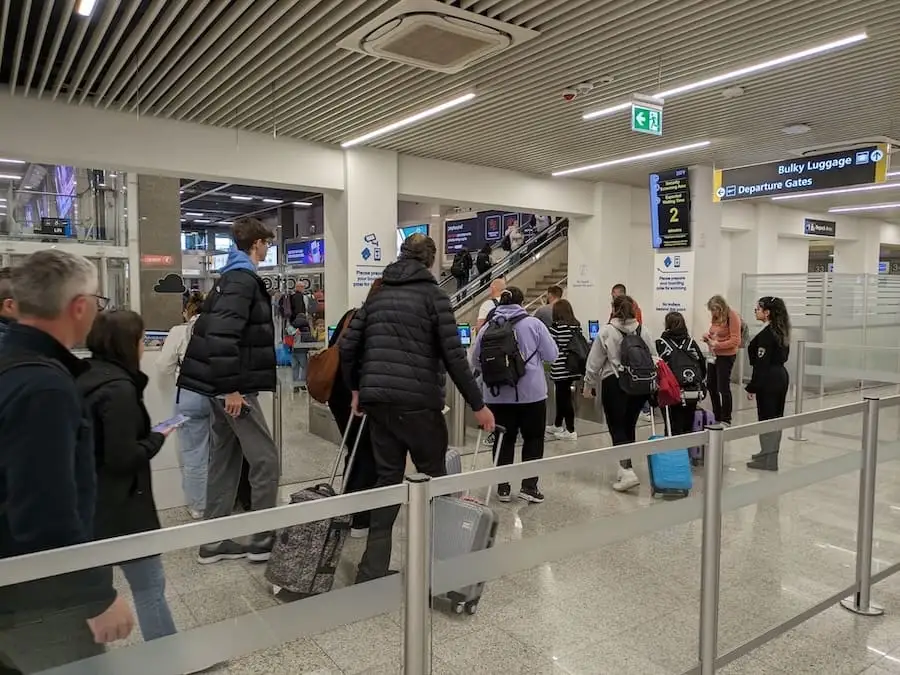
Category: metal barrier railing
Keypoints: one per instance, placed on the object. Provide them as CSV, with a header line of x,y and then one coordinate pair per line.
x,y
426,577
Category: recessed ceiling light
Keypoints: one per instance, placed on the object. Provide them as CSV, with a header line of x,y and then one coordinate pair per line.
x,y
2,199
85,7
796,129
418,117
11,161
9,176
740,72
201,221
302,203
633,158
273,201
184,220
225,222
868,207
194,215
838,191
241,199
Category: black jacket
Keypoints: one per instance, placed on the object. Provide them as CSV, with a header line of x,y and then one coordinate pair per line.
x,y
483,262
47,476
403,340
233,344
123,448
767,358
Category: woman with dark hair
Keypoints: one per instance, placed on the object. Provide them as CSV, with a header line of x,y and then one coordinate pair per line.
x,y
768,352
483,263
362,475
683,356
124,444
521,408
564,326
604,366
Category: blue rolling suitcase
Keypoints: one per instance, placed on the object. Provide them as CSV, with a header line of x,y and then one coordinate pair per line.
x,y
670,472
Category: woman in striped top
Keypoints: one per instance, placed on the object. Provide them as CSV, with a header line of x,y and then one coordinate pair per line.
x,y
564,326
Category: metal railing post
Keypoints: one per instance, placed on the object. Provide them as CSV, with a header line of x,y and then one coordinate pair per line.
x,y
457,421
417,624
861,603
712,550
277,431
800,373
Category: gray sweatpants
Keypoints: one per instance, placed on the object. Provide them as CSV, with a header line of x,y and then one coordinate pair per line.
x,y
232,439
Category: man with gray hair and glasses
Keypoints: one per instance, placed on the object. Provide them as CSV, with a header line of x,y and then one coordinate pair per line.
x,y
47,470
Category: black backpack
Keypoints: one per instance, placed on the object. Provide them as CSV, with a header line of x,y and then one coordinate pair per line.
x,y
458,268
637,371
577,351
501,360
684,367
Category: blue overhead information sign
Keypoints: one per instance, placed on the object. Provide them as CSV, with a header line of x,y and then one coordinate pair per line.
x,y
858,166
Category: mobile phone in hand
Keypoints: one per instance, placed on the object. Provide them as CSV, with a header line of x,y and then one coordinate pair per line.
x,y
171,423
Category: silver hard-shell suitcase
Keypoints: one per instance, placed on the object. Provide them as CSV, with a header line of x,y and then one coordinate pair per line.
x,y
461,526
305,557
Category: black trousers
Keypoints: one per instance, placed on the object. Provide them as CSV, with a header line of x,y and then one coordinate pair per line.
x,y
718,381
461,282
770,405
565,405
521,418
396,432
363,474
682,417
622,413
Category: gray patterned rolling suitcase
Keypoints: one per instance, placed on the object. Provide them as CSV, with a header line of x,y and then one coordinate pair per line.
x,y
461,526
305,557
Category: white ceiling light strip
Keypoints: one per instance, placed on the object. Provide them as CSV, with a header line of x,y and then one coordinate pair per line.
x,y
868,207
3,160
418,117
9,176
85,7
838,191
633,158
740,72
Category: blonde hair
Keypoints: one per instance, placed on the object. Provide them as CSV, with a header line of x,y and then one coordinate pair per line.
x,y
194,304
719,308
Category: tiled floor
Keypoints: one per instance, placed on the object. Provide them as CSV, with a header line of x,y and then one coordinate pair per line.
x,y
628,608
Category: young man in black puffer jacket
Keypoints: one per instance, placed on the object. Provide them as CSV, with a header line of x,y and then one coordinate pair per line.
x,y
394,358
231,358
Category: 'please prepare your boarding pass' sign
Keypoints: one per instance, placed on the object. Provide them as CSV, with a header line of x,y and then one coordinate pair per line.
x,y
857,166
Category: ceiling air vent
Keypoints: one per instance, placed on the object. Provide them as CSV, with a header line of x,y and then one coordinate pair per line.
x,y
434,36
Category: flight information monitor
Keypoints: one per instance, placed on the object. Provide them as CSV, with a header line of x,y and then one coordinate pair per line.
x,y
670,208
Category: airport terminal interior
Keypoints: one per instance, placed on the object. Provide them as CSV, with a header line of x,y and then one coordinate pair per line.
x,y
681,150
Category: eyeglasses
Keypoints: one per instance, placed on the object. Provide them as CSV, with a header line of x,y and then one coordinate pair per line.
x,y
102,301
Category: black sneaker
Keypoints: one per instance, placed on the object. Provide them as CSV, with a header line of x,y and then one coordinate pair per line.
x,y
260,549
532,495
222,550
503,492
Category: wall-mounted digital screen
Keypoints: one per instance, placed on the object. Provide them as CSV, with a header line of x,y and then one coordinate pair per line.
x,y
309,252
487,227
670,209
409,230
219,261
223,242
464,331
271,259
492,229
593,329
883,267
331,330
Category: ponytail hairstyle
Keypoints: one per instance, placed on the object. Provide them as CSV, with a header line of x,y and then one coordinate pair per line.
x,y
779,321
512,295
719,309
623,308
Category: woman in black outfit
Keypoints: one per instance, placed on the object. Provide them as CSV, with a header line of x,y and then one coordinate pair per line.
x,y
683,356
564,326
362,477
768,353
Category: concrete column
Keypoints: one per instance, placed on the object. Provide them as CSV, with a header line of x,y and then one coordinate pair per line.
x,y
159,243
711,261
360,228
599,252
860,255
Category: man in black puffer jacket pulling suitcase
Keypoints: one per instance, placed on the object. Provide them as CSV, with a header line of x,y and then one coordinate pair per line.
x,y
394,357
231,358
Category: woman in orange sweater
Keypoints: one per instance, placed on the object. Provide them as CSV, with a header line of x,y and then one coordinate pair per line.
x,y
724,339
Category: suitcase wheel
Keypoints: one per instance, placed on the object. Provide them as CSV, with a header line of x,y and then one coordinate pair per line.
x,y
459,607
685,493
471,608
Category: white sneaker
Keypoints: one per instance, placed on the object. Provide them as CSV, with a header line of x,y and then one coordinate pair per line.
x,y
645,416
564,435
359,532
551,430
626,479
195,514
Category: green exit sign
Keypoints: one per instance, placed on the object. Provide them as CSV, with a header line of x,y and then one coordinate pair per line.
x,y
646,118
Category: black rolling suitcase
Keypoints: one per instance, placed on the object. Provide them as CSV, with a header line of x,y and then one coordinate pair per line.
x,y
305,557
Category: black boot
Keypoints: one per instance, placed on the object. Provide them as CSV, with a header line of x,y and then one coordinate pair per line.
x,y
764,462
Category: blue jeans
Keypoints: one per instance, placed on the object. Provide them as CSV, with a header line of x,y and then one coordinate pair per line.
x,y
194,439
299,361
148,587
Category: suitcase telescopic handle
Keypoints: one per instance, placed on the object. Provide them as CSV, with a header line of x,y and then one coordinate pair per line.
x,y
340,452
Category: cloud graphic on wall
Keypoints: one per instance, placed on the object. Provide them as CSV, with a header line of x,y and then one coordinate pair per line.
x,y
171,283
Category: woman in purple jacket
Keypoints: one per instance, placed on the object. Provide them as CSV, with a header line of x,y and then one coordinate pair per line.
x,y
522,408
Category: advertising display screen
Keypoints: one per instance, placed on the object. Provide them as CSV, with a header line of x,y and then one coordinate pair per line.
x,y
461,234
856,166
309,253
670,209
408,230
487,227
464,331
